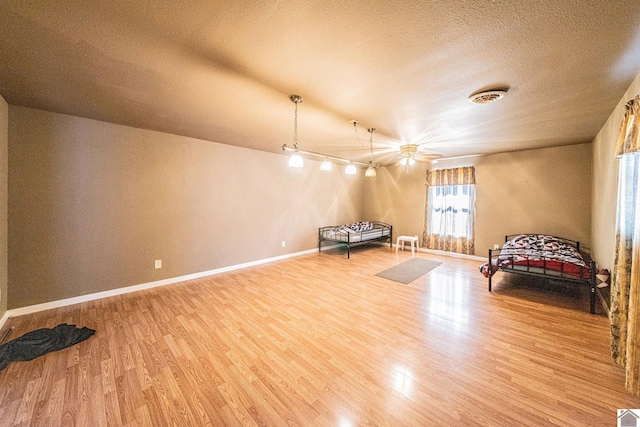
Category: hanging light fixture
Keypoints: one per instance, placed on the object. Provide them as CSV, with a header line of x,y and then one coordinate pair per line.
x,y
371,170
408,153
326,165
295,161
370,173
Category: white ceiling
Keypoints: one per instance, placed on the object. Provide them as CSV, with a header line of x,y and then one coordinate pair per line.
x,y
223,70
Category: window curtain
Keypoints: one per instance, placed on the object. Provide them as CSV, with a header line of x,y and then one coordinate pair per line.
x,y
625,285
449,210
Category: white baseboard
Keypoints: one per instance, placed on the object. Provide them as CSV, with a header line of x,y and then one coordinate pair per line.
x,y
337,245
453,254
445,253
4,318
135,288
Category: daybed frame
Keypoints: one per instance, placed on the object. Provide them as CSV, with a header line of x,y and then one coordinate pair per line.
x,y
381,231
546,273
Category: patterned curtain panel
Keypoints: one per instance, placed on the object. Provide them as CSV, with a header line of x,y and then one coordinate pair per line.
x,y
625,285
457,176
449,210
629,138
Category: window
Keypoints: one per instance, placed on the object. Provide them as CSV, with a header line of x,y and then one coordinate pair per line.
x,y
449,212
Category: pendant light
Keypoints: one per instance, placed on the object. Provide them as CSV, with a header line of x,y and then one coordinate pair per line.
x,y
371,171
295,161
326,165
351,169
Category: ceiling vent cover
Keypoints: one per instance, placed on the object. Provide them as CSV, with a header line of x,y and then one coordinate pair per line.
x,y
487,96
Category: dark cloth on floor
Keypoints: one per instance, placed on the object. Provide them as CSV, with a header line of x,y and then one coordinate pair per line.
x,y
42,341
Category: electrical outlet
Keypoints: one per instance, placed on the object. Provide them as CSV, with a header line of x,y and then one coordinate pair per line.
x,y
496,246
283,243
158,263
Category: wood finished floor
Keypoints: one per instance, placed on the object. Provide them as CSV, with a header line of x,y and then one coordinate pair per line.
x,y
319,340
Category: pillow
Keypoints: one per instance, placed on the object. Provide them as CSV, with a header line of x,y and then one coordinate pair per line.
x,y
361,226
344,229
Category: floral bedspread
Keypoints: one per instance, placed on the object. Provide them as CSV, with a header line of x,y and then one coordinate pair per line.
x,y
538,250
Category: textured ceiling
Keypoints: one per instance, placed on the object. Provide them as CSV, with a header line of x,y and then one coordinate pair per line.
x,y
223,70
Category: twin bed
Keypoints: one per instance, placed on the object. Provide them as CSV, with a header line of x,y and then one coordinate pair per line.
x,y
355,234
544,256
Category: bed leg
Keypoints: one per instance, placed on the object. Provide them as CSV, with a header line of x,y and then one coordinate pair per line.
x,y
348,251
592,289
490,272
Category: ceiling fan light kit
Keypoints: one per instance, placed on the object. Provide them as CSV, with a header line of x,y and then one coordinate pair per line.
x,y
408,150
407,161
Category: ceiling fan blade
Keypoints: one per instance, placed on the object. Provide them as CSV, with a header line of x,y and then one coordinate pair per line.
x,y
427,156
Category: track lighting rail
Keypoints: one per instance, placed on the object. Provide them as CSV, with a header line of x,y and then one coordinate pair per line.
x,y
325,156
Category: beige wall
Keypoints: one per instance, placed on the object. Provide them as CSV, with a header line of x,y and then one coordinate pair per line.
x,y
93,204
4,136
539,191
397,197
605,182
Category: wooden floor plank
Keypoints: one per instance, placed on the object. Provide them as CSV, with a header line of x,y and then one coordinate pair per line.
x,y
320,340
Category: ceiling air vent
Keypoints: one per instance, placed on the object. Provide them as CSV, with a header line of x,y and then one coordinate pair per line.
x,y
487,96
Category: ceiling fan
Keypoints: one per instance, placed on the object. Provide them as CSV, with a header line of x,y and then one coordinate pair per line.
x,y
409,155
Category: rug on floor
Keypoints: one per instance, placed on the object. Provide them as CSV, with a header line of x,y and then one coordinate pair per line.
x,y
409,271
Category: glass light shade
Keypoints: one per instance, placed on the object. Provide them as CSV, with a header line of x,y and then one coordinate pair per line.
x,y
295,161
326,165
407,161
351,170
371,172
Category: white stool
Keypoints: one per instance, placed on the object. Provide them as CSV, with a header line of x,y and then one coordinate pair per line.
x,y
412,239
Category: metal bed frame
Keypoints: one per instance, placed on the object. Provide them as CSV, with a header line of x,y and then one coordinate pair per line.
x,y
548,273
325,235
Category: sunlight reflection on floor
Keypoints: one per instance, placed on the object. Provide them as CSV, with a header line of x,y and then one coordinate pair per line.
x,y
447,301
403,380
